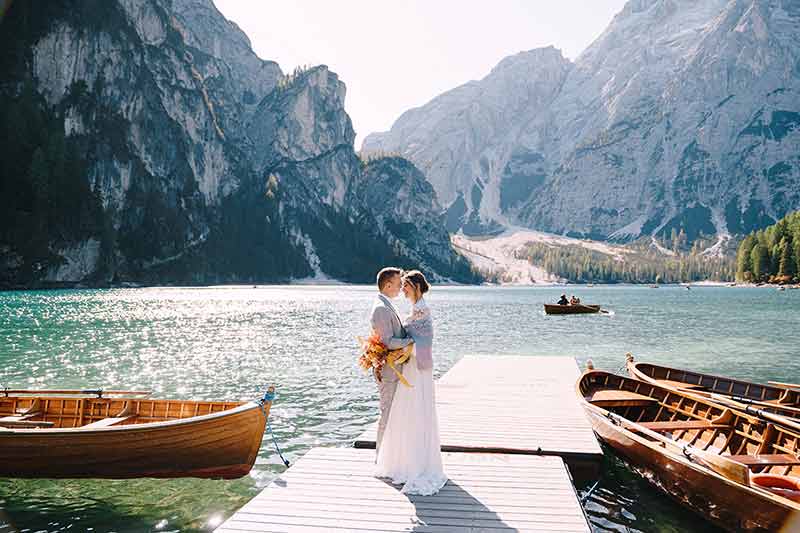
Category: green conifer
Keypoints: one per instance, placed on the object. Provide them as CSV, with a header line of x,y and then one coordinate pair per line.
x,y
786,263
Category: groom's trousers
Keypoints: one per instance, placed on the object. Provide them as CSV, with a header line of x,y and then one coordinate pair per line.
x,y
386,388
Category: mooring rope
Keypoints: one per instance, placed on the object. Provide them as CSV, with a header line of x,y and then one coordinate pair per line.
x,y
269,396
589,492
277,448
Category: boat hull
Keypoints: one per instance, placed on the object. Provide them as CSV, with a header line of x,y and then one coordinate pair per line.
x,y
697,451
580,309
716,498
219,445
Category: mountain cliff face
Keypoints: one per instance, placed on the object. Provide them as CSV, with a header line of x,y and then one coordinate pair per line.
x,y
148,143
681,115
464,139
405,206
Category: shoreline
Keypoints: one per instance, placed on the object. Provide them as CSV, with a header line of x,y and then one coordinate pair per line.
x,y
330,283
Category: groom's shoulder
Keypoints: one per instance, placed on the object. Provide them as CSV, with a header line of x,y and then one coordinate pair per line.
x,y
378,302
379,306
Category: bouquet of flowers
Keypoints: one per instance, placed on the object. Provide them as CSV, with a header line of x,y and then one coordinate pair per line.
x,y
375,355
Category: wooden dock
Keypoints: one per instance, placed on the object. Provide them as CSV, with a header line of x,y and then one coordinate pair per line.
x,y
332,489
505,424
512,404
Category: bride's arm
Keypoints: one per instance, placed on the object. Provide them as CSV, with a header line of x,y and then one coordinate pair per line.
x,y
420,327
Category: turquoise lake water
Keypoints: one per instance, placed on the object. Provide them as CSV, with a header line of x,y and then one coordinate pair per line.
x,y
231,342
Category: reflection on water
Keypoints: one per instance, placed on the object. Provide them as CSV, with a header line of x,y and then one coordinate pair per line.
x,y
623,501
232,342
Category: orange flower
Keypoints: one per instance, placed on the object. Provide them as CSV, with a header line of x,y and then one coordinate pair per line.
x,y
375,354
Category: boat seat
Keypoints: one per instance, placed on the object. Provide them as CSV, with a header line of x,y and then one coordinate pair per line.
x,y
772,459
681,385
21,421
106,422
676,425
24,414
620,398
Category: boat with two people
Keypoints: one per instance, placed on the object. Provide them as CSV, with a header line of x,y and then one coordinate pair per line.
x,y
573,306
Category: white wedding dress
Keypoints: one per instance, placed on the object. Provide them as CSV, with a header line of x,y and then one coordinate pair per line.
x,y
410,452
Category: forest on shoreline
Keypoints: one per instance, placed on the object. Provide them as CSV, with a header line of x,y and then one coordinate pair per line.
x,y
772,254
639,264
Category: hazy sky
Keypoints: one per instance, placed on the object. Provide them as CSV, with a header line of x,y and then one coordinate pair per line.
x,y
395,55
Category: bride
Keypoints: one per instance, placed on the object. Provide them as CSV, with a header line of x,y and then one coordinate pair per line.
x,y
410,450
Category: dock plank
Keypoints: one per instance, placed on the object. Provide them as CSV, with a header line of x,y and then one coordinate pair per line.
x,y
511,404
334,489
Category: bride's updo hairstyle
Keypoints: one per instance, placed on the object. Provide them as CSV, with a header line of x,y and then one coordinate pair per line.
x,y
418,281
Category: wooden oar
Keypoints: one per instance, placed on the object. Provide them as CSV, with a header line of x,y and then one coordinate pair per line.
x,y
784,385
743,400
94,392
772,417
723,466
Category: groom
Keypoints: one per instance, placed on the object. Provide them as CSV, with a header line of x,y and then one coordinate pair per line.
x,y
386,322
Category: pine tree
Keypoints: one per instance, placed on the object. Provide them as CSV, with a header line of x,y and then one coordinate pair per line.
x,y
796,249
778,232
786,262
755,261
744,264
760,260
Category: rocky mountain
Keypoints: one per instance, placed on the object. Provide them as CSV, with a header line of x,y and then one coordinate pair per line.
x,y
412,214
681,115
464,138
148,143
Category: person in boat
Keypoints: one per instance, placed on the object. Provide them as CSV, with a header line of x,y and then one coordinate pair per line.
x,y
574,301
563,300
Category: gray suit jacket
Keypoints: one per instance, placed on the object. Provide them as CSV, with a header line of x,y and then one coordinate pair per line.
x,y
386,322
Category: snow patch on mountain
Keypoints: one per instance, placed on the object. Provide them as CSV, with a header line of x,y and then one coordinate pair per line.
x,y
502,256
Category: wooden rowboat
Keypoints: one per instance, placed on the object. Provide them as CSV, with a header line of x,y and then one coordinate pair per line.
x,y
72,434
718,461
773,398
579,309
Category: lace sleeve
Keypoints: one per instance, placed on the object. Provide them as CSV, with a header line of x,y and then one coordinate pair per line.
x,y
420,323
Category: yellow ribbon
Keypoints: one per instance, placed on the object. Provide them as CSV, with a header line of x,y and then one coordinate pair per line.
x,y
399,357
